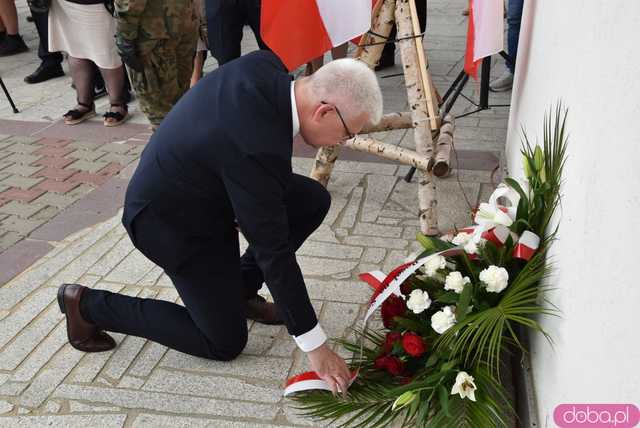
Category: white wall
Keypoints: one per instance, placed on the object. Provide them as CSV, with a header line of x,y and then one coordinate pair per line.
x,y
587,53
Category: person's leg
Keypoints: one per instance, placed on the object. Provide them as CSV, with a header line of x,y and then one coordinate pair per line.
x,y
212,322
50,62
224,23
116,89
198,63
185,51
82,75
12,43
514,16
253,19
307,204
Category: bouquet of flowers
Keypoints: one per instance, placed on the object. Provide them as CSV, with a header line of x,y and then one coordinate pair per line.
x,y
451,314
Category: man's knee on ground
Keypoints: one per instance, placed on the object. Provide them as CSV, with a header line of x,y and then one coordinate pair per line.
x,y
227,351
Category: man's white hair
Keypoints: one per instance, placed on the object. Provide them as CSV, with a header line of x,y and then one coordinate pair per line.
x,y
350,84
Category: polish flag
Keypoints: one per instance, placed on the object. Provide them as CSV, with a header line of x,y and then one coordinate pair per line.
x,y
301,30
485,35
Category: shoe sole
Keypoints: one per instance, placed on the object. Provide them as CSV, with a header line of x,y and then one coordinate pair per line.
x,y
61,298
114,124
80,120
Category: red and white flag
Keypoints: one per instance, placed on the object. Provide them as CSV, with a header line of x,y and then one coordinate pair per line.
x,y
301,30
485,35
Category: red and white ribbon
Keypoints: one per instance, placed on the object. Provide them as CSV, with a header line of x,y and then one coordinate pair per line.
x,y
310,380
498,235
526,246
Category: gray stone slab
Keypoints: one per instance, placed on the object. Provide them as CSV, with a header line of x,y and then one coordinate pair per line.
x,y
378,189
321,267
102,421
29,309
350,214
246,366
147,420
338,290
20,256
211,386
104,265
164,402
42,354
337,317
373,255
131,270
123,357
324,249
373,241
372,229
148,359
5,407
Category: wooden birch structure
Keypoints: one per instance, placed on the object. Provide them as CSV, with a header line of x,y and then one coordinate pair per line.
x,y
423,115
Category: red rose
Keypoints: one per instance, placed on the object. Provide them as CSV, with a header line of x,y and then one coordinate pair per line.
x,y
394,366
390,340
413,344
394,306
381,362
406,288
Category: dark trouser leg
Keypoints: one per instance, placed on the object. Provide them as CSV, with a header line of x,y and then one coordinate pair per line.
x,y
307,204
82,71
514,16
253,19
212,324
48,59
389,51
225,20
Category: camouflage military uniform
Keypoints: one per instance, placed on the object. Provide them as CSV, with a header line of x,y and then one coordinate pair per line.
x,y
164,33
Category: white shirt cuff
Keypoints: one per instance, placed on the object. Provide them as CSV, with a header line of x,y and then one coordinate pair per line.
x,y
311,339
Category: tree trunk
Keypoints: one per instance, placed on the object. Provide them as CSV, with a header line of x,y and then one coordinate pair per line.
x,y
381,24
389,151
420,117
443,149
398,120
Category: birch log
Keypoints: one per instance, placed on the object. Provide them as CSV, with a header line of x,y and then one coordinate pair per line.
x,y
443,148
381,24
388,151
399,120
419,114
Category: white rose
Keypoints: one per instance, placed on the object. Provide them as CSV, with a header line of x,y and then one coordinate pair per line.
x,y
461,238
456,282
418,301
443,320
433,264
465,386
471,247
495,278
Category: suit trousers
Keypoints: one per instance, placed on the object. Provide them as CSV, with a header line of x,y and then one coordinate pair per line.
x,y
214,284
47,59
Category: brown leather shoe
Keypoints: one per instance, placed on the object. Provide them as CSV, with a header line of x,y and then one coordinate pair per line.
x,y
82,335
259,310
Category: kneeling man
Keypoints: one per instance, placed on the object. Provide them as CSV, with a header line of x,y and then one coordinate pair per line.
x,y
221,160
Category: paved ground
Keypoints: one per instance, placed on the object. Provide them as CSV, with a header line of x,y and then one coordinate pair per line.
x,y
60,192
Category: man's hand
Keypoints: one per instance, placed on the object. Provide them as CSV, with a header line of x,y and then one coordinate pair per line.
x,y
331,368
128,52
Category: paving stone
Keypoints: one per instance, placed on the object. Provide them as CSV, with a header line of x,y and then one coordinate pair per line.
x,y
337,317
42,354
372,241
28,310
46,214
102,421
20,225
338,290
78,407
20,139
55,173
5,407
53,142
53,151
337,205
245,365
88,165
211,386
48,379
152,277
394,259
14,194
125,354
131,270
53,199
258,344
23,159
86,145
8,239
366,167
13,354
22,148
53,162
379,188
131,382
21,209
373,255
324,249
351,212
324,233
146,420
91,364
372,229
61,187
52,407
164,402
115,148
13,389
321,267
24,183
388,221
22,170
147,359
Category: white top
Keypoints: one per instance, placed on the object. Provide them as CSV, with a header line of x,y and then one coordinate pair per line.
x,y
316,336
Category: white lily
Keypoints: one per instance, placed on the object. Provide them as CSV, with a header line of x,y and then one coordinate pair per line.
x,y
491,215
465,386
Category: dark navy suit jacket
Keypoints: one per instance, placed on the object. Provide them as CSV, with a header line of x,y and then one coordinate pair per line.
x,y
224,153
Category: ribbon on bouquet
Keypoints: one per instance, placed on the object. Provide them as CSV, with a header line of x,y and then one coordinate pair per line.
x,y
310,380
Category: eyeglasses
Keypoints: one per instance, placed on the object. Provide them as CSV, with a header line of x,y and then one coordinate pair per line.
x,y
350,134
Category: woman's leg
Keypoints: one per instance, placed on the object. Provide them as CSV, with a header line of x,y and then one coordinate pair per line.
x,y
8,17
114,79
82,75
198,63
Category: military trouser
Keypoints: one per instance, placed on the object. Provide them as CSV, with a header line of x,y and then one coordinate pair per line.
x,y
168,64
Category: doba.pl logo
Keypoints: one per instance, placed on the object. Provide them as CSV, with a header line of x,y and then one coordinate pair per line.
x,y
596,415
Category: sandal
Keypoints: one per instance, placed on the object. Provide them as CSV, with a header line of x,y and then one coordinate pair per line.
x,y
115,118
75,116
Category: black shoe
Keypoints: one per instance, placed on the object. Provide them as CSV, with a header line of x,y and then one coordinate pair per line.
x,y
259,310
30,18
99,92
12,45
43,73
3,35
